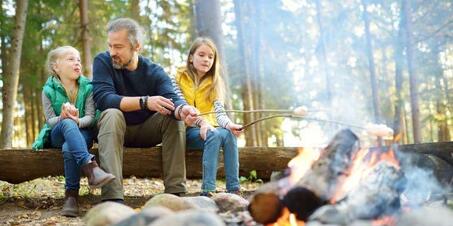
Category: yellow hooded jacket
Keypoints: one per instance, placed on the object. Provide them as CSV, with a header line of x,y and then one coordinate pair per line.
x,y
197,96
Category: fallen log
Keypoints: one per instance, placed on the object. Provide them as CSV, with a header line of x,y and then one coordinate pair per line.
x,y
19,165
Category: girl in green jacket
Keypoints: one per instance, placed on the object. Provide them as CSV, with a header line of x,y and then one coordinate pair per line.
x,y
69,110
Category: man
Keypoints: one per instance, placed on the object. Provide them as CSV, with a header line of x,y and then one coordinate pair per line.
x,y
139,109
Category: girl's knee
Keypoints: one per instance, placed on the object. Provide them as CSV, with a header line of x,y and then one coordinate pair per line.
x,y
68,123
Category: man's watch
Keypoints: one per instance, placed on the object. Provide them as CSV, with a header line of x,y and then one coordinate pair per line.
x,y
144,102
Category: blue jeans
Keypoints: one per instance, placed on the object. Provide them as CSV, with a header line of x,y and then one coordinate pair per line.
x,y
220,138
74,143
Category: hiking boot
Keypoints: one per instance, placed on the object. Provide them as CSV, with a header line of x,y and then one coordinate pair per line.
x,y
70,206
96,176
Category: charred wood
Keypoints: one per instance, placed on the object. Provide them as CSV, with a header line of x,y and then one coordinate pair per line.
x,y
377,195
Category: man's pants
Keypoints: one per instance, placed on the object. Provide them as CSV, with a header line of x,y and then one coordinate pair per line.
x,y
114,134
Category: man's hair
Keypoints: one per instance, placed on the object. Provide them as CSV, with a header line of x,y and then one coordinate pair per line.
x,y
135,32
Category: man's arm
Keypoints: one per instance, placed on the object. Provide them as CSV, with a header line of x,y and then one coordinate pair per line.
x,y
104,92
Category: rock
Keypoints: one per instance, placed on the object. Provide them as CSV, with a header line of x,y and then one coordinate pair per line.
x,y
146,216
171,202
203,202
190,218
107,213
428,215
230,202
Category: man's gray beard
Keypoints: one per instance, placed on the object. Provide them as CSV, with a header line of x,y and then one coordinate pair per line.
x,y
117,66
121,66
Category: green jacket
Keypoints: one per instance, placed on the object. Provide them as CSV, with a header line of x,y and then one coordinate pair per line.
x,y
56,93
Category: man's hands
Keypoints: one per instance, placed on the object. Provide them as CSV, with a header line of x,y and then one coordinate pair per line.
x,y
160,104
69,111
235,128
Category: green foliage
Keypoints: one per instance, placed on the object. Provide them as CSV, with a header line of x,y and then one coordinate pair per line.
x,y
252,177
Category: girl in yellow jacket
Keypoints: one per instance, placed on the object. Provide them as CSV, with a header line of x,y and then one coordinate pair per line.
x,y
201,85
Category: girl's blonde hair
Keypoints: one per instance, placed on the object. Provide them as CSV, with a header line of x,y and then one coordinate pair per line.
x,y
54,55
218,86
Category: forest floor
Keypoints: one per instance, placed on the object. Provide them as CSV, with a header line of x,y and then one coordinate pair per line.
x,y
38,202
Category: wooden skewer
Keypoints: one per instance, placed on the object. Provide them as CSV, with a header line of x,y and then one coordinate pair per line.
x,y
298,116
281,111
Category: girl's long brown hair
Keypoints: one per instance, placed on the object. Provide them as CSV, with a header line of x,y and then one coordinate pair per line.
x,y
218,86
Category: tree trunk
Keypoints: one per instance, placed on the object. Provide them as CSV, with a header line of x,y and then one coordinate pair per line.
x,y
134,9
11,79
398,58
85,36
33,115
140,162
406,5
371,65
257,75
244,68
209,24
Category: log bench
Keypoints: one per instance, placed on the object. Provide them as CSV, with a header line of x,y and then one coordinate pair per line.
x,y
19,165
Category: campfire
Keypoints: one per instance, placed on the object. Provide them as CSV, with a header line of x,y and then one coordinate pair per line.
x,y
339,184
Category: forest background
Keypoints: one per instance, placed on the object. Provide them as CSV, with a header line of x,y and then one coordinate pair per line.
x,y
350,62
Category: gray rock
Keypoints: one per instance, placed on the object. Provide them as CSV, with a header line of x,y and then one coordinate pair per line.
x,y
428,215
107,213
230,202
171,202
203,202
190,218
146,216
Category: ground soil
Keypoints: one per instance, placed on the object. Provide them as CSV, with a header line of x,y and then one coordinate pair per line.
x,y
38,202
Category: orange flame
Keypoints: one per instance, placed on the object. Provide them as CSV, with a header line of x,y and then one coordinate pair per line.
x,y
363,163
287,219
384,221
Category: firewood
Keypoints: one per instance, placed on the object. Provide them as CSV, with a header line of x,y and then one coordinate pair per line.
x,y
265,208
333,163
316,186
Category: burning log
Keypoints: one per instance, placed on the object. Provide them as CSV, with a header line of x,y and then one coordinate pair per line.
x,y
335,159
316,187
377,195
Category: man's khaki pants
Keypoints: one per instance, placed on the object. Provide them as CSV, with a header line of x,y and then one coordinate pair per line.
x,y
114,134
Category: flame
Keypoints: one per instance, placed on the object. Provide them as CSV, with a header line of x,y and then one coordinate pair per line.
x,y
384,221
287,219
300,164
363,162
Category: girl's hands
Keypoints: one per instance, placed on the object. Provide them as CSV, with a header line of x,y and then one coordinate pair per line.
x,y
235,128
204,128
69,111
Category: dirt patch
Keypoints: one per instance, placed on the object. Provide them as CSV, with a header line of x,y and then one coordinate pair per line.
x,y
38,202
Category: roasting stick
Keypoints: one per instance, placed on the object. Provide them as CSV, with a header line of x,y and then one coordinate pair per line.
x,y
280,111
302,117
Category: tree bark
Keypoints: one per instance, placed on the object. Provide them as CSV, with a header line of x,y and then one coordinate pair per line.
x,y
11,80
140,162
413,84
85,36
209,24
244,68
398,58
371,65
